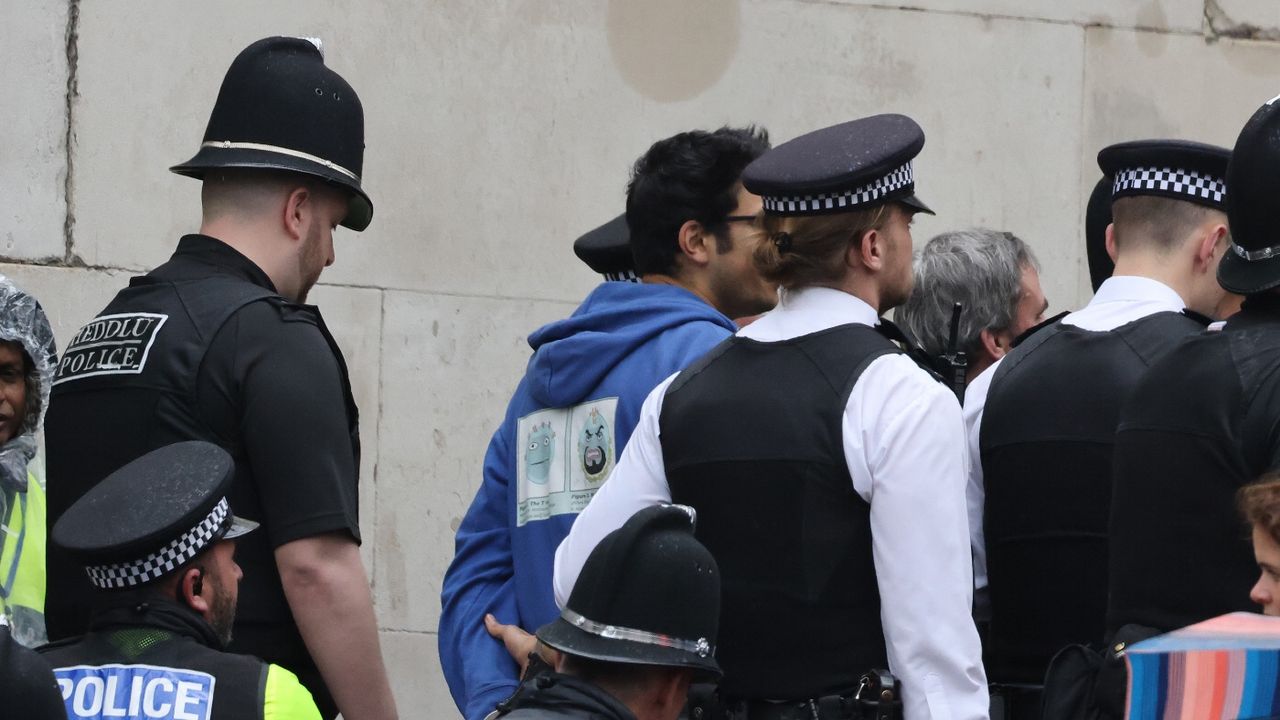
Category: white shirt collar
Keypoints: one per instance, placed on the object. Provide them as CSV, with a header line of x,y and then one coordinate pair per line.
x,y
1124,299
1135,288
809,310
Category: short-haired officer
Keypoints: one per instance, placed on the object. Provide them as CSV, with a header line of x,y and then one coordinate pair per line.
x,y
1042,423
826,467
218,344
692,233
606,249
639,628
156,538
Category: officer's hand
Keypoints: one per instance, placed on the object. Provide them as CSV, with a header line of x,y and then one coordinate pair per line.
x,y
518,642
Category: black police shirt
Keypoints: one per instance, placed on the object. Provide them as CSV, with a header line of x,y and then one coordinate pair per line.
x,y
270,389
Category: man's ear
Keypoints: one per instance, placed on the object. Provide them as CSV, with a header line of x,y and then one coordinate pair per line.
x,y
191,589
1111,242
1207,248
298,205
997,345
868,251
695,242
674,688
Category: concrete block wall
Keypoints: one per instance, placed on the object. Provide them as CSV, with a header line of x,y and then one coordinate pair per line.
x,y
499,131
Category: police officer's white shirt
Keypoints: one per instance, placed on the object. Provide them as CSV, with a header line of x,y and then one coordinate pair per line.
x,y
904,445
1120,300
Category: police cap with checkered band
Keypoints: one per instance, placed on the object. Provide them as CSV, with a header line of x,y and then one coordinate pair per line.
x,y
607,250
1252,264
1175,169
855,165
151,516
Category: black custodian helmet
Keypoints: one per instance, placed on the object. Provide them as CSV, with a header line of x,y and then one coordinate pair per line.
x,y
280,108
649,594
1252,264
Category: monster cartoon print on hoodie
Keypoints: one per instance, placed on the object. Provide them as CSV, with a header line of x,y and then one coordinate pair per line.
x,y
537,454
594,446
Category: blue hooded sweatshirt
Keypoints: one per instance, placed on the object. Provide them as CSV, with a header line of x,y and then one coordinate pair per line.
x,y
564,429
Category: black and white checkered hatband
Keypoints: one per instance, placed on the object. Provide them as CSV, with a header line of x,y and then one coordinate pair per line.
x,y
848,200
1196,186
168,558
622,276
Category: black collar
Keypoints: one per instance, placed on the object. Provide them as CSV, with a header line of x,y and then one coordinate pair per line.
x,y
567,695
198,254
153,611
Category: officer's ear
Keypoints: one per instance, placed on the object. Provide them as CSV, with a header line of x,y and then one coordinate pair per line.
x,y
1111,242
299,205
191,589
867,250
671,689
1213,238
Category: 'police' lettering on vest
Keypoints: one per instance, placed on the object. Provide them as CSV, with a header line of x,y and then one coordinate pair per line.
x,y
110,345
135,692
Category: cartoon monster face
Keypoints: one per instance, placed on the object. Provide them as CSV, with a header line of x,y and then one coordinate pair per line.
x,y
538,451
594,446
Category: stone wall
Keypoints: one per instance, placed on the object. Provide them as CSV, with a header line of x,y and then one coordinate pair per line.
x,y
499,131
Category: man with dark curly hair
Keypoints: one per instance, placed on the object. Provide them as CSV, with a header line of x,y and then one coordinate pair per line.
x,y
693,229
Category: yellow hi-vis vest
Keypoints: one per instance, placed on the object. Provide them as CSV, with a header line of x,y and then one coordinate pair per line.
x,y
22,544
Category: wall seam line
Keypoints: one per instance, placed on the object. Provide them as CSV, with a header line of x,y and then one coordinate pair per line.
x,y
72,92
1000,16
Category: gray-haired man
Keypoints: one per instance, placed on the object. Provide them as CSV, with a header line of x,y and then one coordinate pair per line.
x,y
996,279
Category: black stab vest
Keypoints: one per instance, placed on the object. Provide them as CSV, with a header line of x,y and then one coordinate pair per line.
x,y
182,653
128,385
1046,441
1201,424
752,439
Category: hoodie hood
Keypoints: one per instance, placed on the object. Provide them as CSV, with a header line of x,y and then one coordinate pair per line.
x,y
572,356
23,321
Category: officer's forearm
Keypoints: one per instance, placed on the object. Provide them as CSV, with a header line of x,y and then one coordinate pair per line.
x,y
328,591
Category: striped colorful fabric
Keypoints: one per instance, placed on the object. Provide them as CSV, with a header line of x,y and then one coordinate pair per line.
x,y
1226,668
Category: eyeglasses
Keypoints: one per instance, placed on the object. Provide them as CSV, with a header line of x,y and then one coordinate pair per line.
x,y
741,218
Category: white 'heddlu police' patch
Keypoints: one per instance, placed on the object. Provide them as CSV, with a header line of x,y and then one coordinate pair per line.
x,y
135,692
563,455
110,345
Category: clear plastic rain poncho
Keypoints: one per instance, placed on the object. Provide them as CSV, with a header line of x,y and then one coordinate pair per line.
x,y
23,321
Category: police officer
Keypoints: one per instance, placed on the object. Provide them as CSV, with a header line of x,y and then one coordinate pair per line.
x,y
826,467
157,540
217,344
606,249
639,627
1201,424
1043,423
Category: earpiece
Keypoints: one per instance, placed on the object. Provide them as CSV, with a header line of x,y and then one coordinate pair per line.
x,y
197,586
